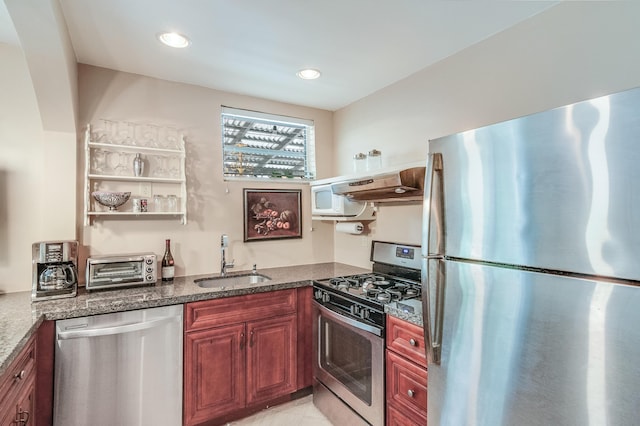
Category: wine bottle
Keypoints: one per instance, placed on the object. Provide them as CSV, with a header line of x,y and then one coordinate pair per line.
x,y
168,270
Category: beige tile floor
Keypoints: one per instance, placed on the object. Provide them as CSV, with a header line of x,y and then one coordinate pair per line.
x,y
294,413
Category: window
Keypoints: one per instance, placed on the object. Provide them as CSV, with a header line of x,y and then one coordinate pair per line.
x,y
263,145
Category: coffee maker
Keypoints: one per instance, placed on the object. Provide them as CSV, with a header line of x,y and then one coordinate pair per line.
x,y
55,269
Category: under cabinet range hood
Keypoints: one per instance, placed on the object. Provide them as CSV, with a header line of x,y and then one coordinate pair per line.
x,y
385,185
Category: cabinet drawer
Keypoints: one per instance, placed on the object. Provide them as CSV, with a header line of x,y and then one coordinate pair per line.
x,y
20,370
229,310
406,339
406,385
20,373
396,417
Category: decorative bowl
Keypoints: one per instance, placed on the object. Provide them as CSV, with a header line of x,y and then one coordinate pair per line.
x,y
113,200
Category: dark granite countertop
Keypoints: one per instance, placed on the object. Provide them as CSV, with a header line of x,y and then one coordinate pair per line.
x,y
408,310
19,317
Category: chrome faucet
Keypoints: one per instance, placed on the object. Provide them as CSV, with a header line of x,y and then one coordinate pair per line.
x,y
224,243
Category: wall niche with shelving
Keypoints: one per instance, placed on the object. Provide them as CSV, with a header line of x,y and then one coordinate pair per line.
x,y
110,149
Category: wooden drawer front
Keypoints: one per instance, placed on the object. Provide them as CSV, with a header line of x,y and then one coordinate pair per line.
x,y
406,385
19,372
406,339
229,310
395,417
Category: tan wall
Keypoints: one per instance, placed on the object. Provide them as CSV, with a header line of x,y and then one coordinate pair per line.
x,y
214,206
572,52
37,174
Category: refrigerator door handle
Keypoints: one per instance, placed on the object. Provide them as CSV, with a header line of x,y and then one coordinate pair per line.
x,y
432,324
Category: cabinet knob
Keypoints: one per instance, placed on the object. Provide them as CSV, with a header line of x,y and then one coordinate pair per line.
x,y
20,375
410,393
413,342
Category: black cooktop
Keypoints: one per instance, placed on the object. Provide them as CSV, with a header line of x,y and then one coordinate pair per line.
x,y
374,287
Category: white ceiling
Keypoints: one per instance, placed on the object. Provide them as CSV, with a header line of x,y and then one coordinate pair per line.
x,y
255,47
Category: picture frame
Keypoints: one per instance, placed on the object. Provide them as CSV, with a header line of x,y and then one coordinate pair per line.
x,y
272,214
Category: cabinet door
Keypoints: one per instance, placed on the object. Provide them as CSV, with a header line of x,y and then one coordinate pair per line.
x,y
271,358
214,372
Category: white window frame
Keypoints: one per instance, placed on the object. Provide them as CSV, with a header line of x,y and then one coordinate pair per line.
x,y
251,150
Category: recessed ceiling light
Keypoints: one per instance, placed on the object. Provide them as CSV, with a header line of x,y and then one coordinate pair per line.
x,y
308,74
174,40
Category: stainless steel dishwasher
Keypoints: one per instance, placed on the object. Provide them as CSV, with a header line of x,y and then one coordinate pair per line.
x,y
120,369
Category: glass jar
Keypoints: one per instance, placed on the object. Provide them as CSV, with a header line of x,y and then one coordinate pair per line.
x,y
172,203
374,160
159,203
359,163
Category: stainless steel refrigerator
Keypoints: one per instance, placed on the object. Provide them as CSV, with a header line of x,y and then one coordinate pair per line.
x,y
531,268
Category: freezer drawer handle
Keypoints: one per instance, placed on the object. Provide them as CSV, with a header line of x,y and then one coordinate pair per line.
x,y
119,329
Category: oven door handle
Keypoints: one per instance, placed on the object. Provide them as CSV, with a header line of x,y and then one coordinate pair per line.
x,y
349,321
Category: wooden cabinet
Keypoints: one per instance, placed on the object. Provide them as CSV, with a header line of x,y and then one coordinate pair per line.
x,y
214,380
406,374
271,358
17,389
240,352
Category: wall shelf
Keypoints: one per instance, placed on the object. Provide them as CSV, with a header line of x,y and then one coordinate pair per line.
x,y
109,154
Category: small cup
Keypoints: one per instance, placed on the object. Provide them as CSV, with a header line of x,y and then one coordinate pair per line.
x,y
159,203
172,203
137,205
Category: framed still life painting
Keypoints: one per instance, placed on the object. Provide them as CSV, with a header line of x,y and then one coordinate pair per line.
x,y
271,214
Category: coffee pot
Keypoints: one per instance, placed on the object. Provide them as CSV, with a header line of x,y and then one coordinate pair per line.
x,y
57,277
54,265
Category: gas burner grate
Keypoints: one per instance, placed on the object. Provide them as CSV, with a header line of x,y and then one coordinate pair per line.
x,y
374,287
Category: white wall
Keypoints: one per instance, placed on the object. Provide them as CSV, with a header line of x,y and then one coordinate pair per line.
x,y
28,211
214,206
572,52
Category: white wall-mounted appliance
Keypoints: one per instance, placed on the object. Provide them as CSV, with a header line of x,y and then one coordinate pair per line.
x,y
325,205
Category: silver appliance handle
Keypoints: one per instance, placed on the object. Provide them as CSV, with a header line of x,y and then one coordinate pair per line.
x,y
432,329
346,320
118,329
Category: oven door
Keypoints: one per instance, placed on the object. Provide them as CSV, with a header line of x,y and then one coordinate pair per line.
x,y
349,362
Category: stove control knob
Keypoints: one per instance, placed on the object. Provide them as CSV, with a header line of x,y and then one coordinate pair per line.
x,y
325,297
318,294
365,313
355,310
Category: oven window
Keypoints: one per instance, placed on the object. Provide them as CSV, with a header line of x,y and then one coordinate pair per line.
x,y
347,357
117,272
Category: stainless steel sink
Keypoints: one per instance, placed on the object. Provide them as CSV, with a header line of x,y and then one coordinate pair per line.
x,y
231,281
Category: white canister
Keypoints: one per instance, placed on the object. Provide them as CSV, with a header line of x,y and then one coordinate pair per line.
x,y
139,205
359,163
374,160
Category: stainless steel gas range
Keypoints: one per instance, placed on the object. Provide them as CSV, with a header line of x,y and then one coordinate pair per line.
x,y
349,331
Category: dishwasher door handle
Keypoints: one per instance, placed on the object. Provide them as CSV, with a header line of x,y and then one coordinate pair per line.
x,y
118,329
